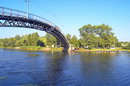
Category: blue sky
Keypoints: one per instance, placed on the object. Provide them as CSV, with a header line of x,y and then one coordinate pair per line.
x,y
70,15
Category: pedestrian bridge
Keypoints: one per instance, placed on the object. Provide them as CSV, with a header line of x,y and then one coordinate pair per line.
x,y
15,18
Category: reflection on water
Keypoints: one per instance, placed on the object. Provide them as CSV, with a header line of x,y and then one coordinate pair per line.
x,y
17,68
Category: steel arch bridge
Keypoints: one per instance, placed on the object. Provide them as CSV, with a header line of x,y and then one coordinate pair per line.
x,y
15,18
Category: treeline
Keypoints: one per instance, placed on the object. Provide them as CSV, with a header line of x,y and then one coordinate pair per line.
x,y
91,36
96,36
29,40
124,45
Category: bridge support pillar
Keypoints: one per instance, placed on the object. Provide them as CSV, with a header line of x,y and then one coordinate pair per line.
x,y
71,48
65,49
68,49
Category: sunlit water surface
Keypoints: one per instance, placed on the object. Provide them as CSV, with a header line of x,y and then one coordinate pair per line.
x,y
17,68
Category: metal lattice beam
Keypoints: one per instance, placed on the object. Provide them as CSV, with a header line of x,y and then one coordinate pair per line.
x,y
15,18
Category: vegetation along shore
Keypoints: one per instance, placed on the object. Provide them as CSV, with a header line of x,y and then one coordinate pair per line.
x,y
96,38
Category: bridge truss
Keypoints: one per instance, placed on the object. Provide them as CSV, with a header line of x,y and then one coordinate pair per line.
x,y
15,18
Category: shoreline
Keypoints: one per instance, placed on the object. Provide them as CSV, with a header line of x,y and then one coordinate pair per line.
x,y
34,48
104,50
37,48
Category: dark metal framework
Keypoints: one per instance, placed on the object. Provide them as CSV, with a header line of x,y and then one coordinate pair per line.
x,y
14,18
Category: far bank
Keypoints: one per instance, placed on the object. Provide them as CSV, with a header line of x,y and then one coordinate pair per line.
x,y
38,48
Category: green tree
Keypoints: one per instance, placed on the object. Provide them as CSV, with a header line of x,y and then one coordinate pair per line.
x,y
68,36
88,36
50,40
98,36
29,40
11,42
5,42
105,32
17,37
34,38
127,47
42,41
18,43
74,41
1,43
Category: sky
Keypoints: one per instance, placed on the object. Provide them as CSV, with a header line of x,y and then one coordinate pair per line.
x,y
70,15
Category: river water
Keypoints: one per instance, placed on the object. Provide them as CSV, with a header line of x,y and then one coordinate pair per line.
x,y
17,68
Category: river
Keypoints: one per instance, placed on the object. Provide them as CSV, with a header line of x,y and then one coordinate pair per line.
x,y
18,68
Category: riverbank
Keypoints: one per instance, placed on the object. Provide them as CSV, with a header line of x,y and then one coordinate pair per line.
x,y
38,48
103,50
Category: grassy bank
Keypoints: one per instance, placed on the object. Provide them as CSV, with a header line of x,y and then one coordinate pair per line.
x,y
35,48
29,47
39,48
103,50
7,47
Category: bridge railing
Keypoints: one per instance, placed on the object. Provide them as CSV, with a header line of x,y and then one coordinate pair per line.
x,y
16,13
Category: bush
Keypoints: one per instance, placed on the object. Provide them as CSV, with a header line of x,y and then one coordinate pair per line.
x,y
127,47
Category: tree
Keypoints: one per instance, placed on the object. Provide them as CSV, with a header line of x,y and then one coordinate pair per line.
x,y
68,36
17,37
34,38
29,40
18,43
40,43
105,32
127,47
88,36
1,43
50,40
74,41
11,42
97,36
5,42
